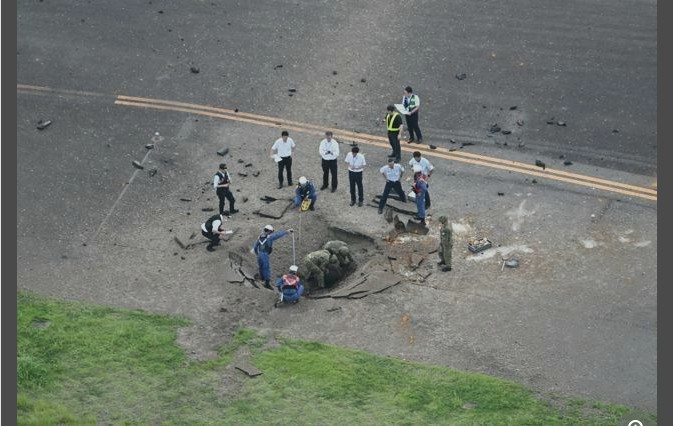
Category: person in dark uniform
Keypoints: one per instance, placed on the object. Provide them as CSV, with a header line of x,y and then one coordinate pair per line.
x,y
221,182
305,189
213,229
412,104
394,127
445,244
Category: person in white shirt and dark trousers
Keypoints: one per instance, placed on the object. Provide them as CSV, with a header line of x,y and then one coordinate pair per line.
x,y
426,168
213,229
329,151
412,104
356,164
221,182
393,173
283,148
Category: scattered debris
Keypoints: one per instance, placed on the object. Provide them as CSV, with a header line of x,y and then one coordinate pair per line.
x,y
236,110
364,286
245,199
513,107
224,151
453,149
501,194
240,161
149,146
248,369
273,212
41,125
256,173
433,147
417,227
540,164
180,243
243,174
268,199
248,165
363,80
561,157
137,165
506,132
292,90
391,257
615,131
461,76
452,141
462,144
153,171
495,128
469,406
519,123
512,263
194,70
207,209
533,181
476,245
338,308
567,163
388,214
185,199
278,66
551,121
334,73
561,123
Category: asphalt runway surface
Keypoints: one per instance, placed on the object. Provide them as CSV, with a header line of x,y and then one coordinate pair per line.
x,y
91,227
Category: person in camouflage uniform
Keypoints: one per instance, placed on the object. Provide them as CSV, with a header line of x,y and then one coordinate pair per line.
x,y
445,244
316,264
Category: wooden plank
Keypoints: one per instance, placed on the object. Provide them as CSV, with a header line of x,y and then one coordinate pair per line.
x,y
248,369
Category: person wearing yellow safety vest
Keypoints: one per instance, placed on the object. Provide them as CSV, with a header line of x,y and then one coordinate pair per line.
x,y
394,126
412,104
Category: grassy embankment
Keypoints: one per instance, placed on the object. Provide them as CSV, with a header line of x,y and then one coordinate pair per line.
x,y
84,364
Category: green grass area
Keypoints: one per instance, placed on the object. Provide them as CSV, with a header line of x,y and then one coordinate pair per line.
x,y
83,364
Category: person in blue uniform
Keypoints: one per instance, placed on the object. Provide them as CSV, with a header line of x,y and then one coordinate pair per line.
x,y
290,286
305,189
263,248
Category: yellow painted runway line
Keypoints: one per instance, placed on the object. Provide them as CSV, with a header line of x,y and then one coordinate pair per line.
x,y
366,137
314,130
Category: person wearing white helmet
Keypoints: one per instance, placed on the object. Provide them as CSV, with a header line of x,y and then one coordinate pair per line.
x,y
263,248
420,187
290,286
305,189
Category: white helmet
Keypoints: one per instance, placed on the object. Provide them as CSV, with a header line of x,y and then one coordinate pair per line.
x,y
294,268
417,168
269,228
303,180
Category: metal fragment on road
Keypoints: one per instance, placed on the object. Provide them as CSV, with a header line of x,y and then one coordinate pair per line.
x,y
149,146
194,70
137,165
41,125
512,263
224,151
153,171
461,76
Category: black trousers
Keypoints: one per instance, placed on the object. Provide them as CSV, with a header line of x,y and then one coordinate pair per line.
x,y
427,198
355,179
397,186
329,166
412,127
214,238
394,140
222,194
285,162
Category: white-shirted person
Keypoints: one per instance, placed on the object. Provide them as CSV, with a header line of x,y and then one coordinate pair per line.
x,y
329,151
356,165
283,149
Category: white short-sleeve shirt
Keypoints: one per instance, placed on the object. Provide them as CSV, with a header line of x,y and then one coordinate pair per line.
x,y
283,148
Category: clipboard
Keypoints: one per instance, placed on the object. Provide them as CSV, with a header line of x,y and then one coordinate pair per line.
x,y
400,108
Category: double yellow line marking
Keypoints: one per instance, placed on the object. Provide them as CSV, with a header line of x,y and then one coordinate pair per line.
x,y
372,140
379,141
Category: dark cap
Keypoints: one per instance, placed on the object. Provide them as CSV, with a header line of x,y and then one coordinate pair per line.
x,y
391,160
391,107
